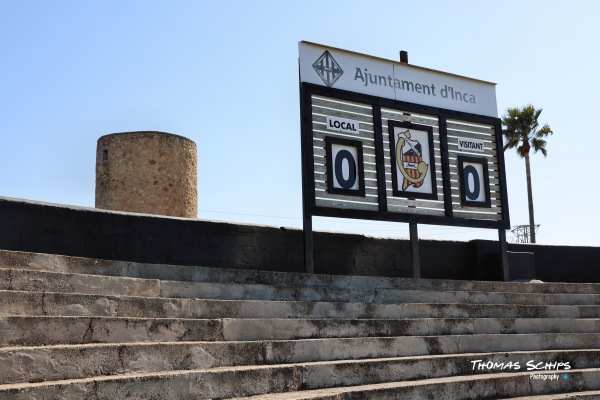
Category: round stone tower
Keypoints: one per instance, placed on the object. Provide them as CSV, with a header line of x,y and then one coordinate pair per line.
x,y
147,172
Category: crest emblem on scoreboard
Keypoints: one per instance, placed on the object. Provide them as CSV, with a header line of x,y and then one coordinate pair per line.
x,y
328,69
413,160
409,157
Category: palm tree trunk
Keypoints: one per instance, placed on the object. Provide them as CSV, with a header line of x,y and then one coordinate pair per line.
x,y
530,198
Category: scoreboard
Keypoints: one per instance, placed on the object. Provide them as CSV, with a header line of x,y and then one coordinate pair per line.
x,y
388,141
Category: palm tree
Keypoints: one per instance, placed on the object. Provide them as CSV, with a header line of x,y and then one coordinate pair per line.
x,y
521,131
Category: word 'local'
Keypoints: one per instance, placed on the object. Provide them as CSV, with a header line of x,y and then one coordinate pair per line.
x,y
342,125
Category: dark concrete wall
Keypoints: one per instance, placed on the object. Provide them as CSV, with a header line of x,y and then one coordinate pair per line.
x,y
86,232
552,263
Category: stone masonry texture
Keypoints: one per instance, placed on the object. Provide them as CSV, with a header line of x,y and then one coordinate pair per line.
x,y
147,172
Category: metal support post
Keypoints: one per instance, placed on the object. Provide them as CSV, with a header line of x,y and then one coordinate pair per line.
x,y
503,254
414,250
308,245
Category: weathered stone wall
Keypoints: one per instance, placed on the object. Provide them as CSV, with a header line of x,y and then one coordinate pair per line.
x,y
147,172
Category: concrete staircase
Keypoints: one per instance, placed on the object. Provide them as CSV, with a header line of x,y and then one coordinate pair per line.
x,y
74,328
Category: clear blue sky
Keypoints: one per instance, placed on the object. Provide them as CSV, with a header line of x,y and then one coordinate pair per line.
x,y
225,75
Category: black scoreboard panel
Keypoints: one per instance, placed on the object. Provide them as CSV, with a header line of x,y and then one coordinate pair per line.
x,y
372,158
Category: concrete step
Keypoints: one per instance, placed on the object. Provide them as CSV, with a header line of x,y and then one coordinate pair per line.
x,y
295,382
67,304
488,386
33,364
315,374
36,331
594,394
282,329
138,331
66,264
42,281
386,296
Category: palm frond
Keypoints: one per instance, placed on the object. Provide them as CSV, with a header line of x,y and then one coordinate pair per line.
x,y
539,145
545,131
520,130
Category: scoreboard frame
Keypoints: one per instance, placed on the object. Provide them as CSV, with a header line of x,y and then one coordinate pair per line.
x,y
463,198
382,214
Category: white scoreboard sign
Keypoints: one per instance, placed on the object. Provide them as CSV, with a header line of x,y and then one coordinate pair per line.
x,y
387,79
389,141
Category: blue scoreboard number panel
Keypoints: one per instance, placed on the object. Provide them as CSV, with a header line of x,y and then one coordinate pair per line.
x,y
474,181
345,166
